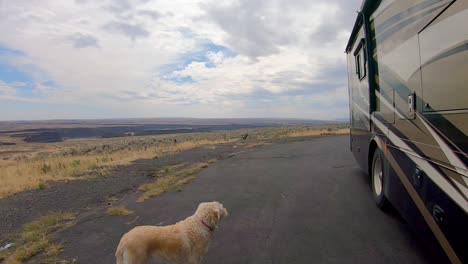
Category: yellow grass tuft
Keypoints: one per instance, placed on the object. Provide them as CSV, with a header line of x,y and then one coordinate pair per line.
x,y
118,211
185,180
169,182
52,253
111,198
171,168
34,238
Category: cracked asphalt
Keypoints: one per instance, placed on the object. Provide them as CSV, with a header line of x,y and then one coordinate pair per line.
x,y
294,202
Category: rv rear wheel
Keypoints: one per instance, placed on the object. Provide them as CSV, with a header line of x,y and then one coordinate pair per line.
x,y
378,179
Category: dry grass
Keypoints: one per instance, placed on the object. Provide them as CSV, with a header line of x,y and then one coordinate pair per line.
x,y
29,174
51,255
171,168
35,238
169,182
185,180
29,166
322,132
118,211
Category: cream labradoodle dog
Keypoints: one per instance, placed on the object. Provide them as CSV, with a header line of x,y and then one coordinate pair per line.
x,y
184,242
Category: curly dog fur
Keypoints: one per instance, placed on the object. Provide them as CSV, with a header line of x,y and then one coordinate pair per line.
x,y
184,242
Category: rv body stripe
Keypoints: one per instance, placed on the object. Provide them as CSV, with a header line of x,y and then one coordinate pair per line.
x,y
401,90
412,148
361,110
450,180
455,149
431,172
461,111
425,213
454,160
450,52
403,14
411,152
442,37
382,8
385,35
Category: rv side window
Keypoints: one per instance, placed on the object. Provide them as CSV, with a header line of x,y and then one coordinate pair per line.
x,y
358,65
360,60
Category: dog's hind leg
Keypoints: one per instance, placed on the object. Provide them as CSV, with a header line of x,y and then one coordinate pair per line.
x,y
126,256
119,255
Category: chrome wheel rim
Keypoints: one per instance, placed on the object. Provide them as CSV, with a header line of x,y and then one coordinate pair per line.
x,y
377,176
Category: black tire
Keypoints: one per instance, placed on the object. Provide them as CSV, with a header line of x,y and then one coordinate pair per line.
x,y
377,175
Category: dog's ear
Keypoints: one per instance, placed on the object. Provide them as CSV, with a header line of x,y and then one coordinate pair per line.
x,y
214,216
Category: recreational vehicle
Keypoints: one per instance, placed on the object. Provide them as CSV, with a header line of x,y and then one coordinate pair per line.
x,y
408,86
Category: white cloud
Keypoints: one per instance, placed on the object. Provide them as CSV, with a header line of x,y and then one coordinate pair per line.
x,y
108,53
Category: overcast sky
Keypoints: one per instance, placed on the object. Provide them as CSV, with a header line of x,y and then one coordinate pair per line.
x,y
170,58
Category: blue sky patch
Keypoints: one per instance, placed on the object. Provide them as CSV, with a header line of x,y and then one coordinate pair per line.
x,y
14,77
196,56
184,79
9,73
20,79
216,48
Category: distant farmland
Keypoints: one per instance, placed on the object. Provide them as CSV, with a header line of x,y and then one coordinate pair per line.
x,y
60,130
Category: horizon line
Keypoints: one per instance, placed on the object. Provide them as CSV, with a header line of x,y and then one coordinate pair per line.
x,y
200,118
